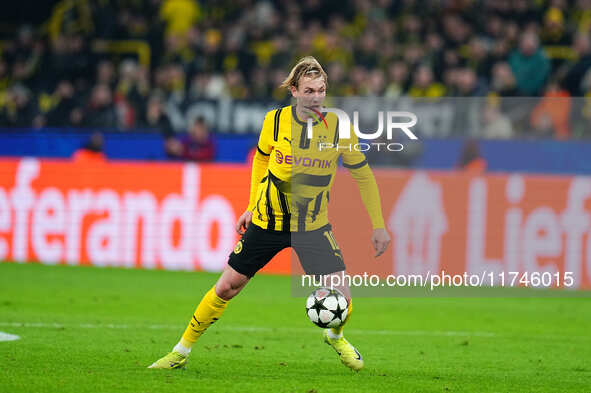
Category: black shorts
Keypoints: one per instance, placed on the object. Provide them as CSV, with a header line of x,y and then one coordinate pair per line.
x,y
317,250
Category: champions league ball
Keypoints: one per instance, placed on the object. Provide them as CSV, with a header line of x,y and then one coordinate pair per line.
x,y
327,308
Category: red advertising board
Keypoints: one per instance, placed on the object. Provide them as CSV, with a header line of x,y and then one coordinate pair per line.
x,y
182,216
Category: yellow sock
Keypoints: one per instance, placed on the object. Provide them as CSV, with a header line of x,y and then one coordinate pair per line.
x,y
208,311
338,331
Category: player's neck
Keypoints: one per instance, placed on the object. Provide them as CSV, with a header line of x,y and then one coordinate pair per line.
x,y
302,113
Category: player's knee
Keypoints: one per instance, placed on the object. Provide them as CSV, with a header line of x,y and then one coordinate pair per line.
x,y
226,289
230,283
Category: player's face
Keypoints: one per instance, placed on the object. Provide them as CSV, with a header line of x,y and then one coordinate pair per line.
x,y
310,92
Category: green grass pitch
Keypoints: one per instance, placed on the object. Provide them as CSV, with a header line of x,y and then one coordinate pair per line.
x,y
95,330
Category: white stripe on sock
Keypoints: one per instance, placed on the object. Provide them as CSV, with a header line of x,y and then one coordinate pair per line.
x,y
180,348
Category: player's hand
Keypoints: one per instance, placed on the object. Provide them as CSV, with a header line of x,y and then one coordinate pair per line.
x,y
380,240
243,222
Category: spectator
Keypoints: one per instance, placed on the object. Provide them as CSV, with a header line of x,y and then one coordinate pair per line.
x,y
179,15
198,144
376,83
105,74
470,160
5,80
367,54
92,151
554,108
131,92
398,77
155,118
100,112
496,124
573,81
235,86
20,110
468,84
554,31
27,57
424,84
60,114
478,57
79,57
503,80
529,65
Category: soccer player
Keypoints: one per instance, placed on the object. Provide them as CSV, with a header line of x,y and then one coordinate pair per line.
x,y
291,178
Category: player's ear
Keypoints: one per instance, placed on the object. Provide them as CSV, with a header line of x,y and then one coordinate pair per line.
x,y
293,90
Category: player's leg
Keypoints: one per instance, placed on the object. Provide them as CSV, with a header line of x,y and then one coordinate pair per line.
x,y
210,309
212,306
320,254
334,337
336,280
251,253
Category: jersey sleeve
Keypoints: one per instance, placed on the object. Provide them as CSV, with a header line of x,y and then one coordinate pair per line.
x,y
357,165
352,158
260,163
265,143
261,157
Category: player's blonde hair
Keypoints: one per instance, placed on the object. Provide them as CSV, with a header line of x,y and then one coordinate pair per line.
x,y
306,66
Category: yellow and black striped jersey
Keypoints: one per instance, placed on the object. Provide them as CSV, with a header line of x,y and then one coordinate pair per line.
x,y
293,194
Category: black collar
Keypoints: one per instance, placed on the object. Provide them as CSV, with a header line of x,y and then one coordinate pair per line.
x,y
303,123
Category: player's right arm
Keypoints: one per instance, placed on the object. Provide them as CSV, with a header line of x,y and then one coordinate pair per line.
x,y
357,165
260,164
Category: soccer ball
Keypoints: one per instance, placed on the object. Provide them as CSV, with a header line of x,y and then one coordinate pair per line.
x,y
327,308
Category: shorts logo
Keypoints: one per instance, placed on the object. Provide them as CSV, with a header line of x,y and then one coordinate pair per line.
x,y
238,247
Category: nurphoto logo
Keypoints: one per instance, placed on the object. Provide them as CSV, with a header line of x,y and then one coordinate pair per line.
x,y
394,120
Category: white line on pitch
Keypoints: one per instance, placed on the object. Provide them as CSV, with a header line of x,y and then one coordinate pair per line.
x,y
311,330
8,337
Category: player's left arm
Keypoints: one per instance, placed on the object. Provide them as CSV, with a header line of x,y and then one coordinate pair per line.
x,y
260,164
357,165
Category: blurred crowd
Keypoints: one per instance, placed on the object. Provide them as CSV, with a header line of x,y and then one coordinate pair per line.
x,y
62,73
